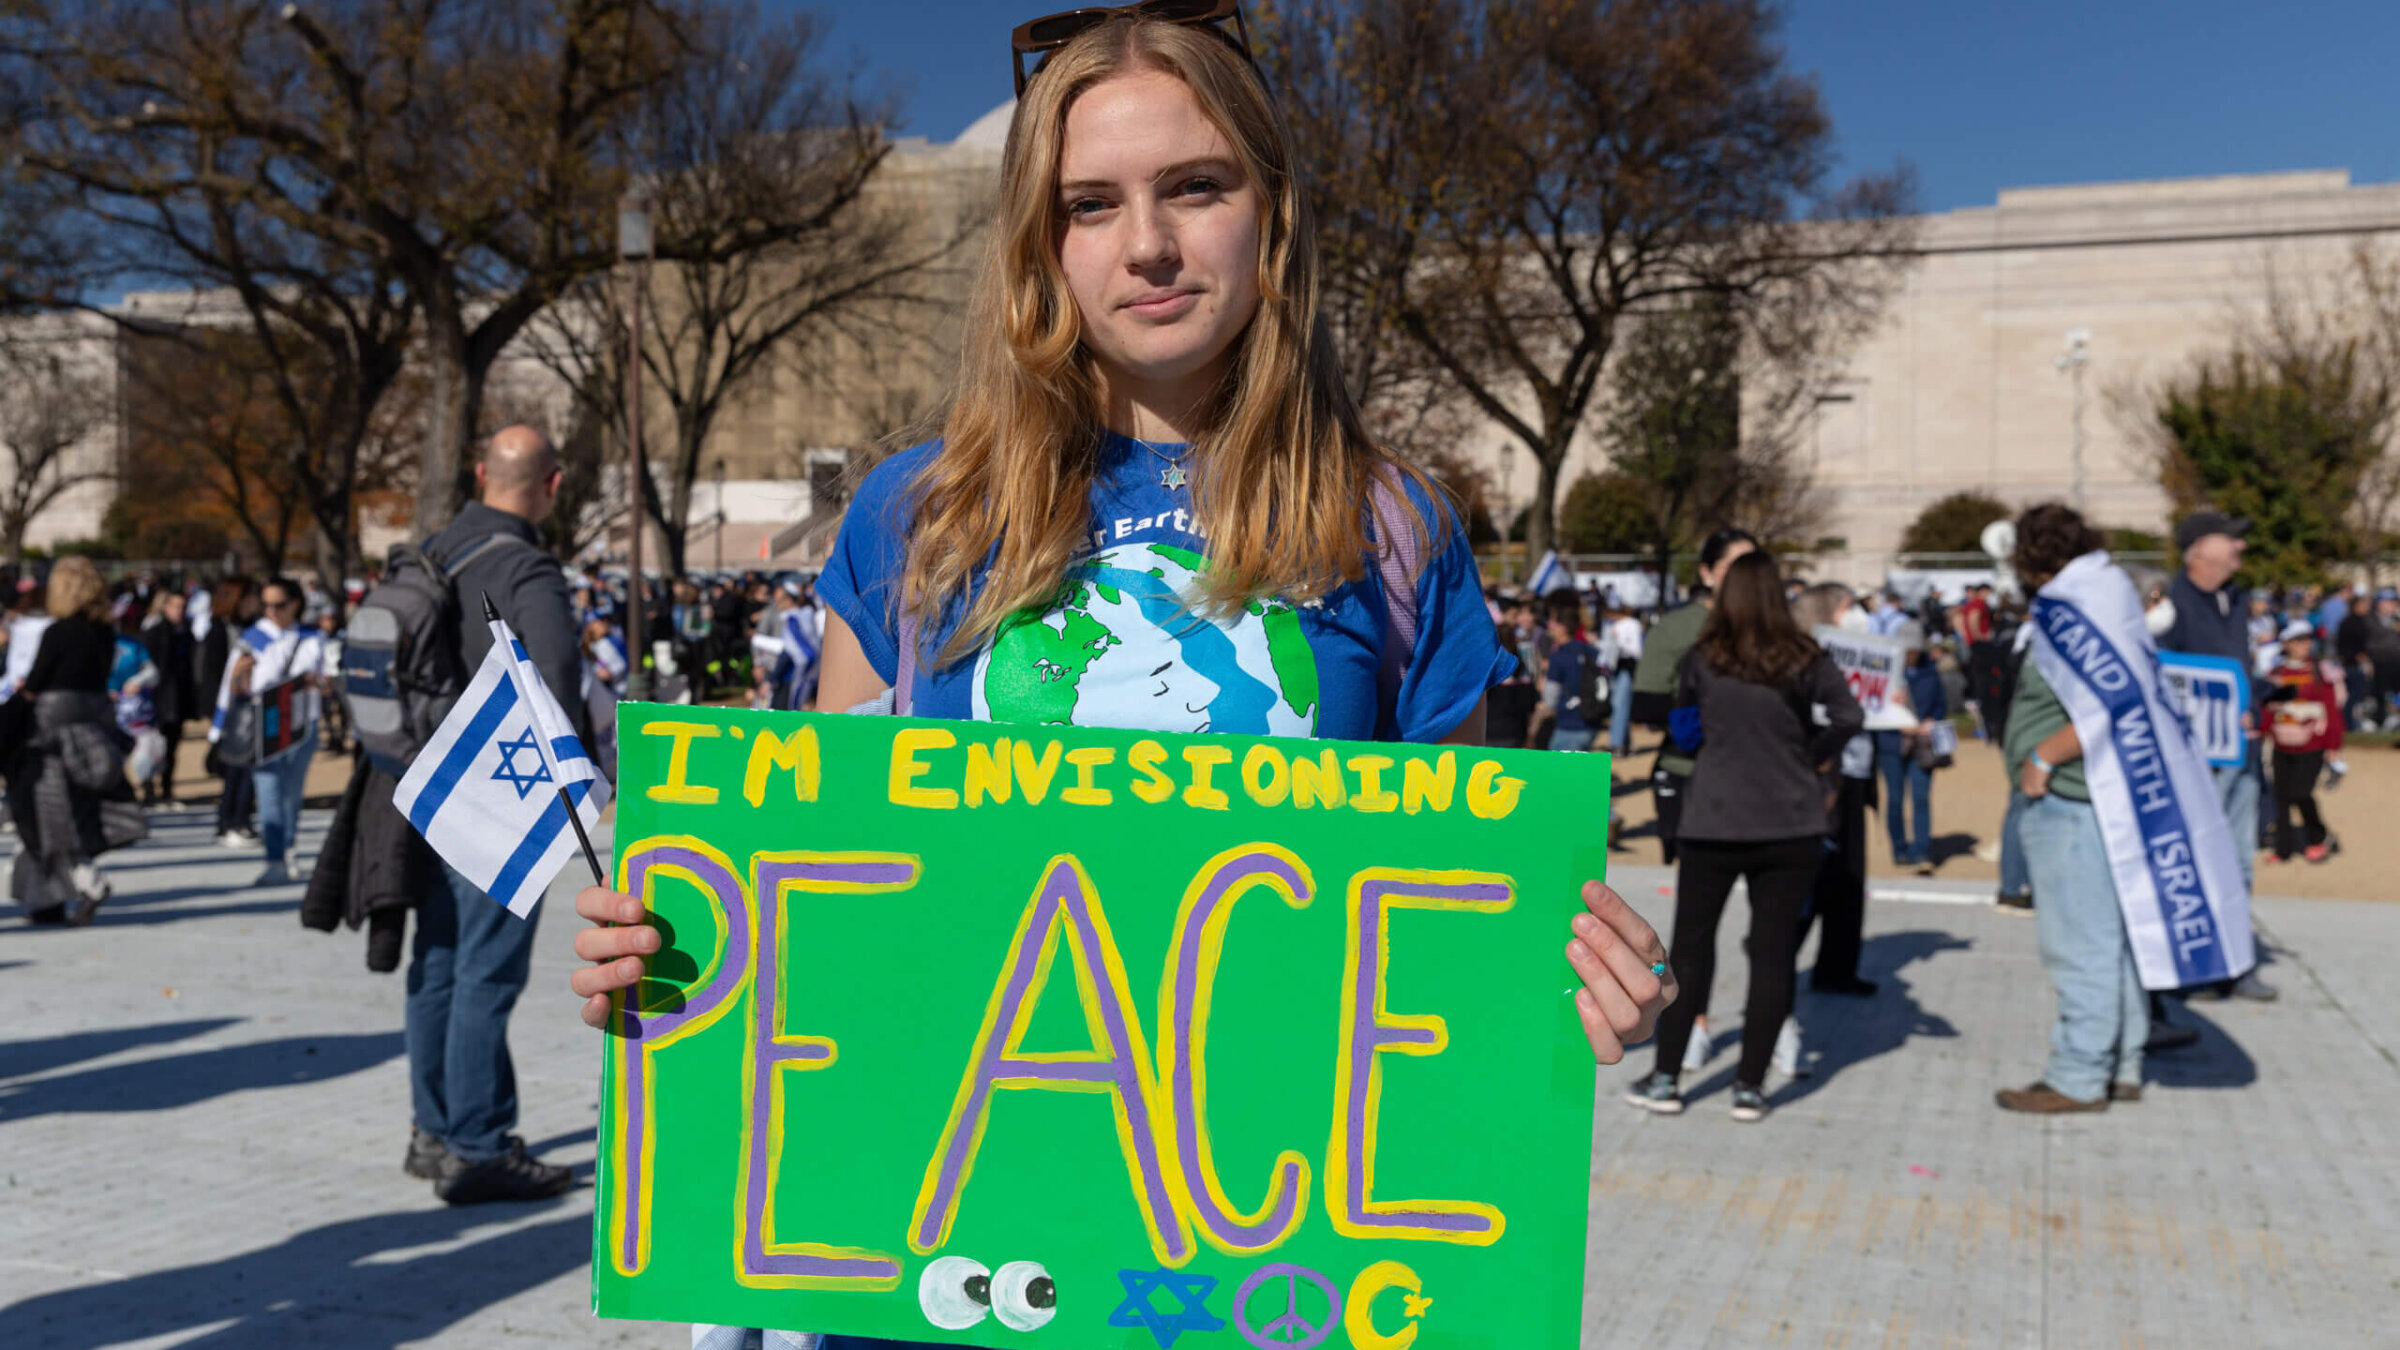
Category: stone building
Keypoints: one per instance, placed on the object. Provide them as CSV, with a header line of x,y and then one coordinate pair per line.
x,y
1961,386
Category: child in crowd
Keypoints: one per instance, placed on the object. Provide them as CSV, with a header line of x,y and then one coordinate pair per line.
x,y
2305,705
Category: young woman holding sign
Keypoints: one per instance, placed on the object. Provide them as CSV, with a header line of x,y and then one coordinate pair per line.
x,y
1149,400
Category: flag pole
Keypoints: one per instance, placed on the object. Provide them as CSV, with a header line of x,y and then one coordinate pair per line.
x,y
574,817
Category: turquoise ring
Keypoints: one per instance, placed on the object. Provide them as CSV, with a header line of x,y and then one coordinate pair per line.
x,y
1658,967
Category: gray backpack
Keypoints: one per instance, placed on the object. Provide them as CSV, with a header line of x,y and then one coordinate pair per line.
x,y
401,665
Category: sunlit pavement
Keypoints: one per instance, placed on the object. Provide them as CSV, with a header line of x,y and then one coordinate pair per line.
x,y
203,1109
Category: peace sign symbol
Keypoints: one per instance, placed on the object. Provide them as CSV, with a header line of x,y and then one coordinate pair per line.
x,y
1291,1331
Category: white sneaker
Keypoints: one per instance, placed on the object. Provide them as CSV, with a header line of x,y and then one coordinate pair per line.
x,y
276,874
1697,1049
231,839
1787,1050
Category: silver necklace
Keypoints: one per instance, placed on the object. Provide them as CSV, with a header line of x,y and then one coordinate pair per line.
x,y
1172,478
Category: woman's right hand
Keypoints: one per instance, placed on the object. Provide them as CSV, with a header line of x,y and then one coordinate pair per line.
x,y
615,948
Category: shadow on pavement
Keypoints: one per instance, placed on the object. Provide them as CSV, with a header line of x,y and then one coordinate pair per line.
x,y
168,1082
114,916
1956,845
19,1058
1837,1032
587,1135
2217,1061
360,1283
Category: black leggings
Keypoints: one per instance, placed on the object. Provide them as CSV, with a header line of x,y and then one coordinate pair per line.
x,y
1781,873
1841,888
2296,790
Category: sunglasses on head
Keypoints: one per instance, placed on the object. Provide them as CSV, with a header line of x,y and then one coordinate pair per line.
x,y
1037,37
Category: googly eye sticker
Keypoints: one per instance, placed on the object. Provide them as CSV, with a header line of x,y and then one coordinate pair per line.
x,y
1023,1296
956,1292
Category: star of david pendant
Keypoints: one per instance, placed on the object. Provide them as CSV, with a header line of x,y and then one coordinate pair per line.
x,y
1172,477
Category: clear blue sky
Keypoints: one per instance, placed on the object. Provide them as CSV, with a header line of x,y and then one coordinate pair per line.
x,y
1979,94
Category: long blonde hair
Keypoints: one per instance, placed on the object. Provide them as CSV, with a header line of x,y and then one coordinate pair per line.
x,y
1282,465
76,590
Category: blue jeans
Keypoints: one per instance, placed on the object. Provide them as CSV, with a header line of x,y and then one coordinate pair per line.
x,y
1620,713
471,961
2103,1011
1901,769
2237,788
2014,879
280,783
1577,740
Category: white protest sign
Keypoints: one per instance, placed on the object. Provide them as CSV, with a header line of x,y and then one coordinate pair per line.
x,y
2213,693
1872,665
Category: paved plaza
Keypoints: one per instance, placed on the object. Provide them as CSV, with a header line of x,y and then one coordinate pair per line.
x,y
203,1108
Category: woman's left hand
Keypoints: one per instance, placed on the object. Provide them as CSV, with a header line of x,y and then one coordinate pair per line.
x,y
1619,956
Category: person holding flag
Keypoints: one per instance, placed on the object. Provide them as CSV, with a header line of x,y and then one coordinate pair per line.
x,y
490,791
800,635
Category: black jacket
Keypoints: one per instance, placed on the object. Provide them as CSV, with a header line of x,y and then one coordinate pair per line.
x,y
177,657
370,869
1755,777
529,589
2208,623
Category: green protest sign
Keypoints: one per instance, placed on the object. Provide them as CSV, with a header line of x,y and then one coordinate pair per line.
x,y
999,1035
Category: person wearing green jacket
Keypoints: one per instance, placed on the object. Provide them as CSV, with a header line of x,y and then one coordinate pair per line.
x,y
1654,679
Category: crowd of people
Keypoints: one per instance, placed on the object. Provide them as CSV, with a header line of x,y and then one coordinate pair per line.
x,y
2324,663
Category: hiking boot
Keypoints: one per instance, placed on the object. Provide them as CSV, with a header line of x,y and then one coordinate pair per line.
x,y
2124,1092
514,1175
2041,1099
426,1154
1749,1104
1657,1095
2019,903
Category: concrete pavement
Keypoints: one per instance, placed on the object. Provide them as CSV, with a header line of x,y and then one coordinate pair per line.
x,y
203,1108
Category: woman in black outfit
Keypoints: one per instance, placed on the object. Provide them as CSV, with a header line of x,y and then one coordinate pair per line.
x,y
167,634
69,795
233,606
1756,809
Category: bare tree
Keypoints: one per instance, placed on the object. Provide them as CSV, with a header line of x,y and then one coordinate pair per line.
x,y
205,426
1503,182
766,166
50,409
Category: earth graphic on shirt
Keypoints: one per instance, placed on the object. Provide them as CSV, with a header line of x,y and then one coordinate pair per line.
x,y
1121,649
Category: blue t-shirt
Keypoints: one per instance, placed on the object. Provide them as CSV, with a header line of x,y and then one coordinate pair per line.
x,y
1566,671
1117,648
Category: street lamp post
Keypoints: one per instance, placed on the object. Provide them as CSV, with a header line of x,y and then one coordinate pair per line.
x,y
1508,463
633,246
2072,362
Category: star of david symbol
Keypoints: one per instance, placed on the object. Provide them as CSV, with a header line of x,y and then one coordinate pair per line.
x,y
520,779
1190,1291
1173,477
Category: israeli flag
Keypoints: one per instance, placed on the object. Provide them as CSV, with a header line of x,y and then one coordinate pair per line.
x,y
485,791
800,651
1550,575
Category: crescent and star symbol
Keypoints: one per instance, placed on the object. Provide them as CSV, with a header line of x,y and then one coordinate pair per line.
x,y
1359,1317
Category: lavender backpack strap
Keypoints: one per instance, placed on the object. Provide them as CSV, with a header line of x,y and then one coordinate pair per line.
x,y
1400,561
906,682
